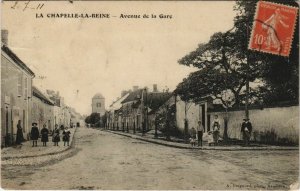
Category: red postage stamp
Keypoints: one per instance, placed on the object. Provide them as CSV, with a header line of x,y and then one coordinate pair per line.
x,y
273,28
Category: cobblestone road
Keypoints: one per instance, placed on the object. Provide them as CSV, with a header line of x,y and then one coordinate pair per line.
x,y
101,160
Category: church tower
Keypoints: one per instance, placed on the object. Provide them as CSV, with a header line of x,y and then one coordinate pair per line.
x,y
98,104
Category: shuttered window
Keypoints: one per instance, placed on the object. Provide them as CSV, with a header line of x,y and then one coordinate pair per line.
x,y
20,84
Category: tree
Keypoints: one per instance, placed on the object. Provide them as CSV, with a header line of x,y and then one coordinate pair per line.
x,y
104,119
165,121
221,71
88,119
94,119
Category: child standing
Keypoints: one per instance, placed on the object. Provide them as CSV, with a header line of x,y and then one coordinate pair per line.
x,y
66,137
34,134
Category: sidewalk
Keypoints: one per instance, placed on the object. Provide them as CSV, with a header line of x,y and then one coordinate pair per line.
x,y
26,150
151,139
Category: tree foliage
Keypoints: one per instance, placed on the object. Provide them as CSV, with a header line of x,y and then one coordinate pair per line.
x,y
94,119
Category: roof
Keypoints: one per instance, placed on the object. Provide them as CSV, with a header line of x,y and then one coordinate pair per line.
x,y
155,100
37,93
98,95
16,59
135,95
118,104
152,100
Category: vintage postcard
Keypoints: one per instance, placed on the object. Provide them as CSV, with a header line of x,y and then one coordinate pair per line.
x,y
150,95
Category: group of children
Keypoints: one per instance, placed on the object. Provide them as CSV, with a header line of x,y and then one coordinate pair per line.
x,y
213,135
35,134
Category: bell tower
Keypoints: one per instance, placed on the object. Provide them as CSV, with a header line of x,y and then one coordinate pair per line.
x,y
98,104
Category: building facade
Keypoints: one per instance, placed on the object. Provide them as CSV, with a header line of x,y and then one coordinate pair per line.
x,y
42,109
16,96
138,109
114,114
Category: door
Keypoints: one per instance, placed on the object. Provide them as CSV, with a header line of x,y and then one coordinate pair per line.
x,y
208,122
49,125
7,138
6,121
203,113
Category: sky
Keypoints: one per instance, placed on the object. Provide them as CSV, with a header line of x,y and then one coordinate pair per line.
x,y
81,57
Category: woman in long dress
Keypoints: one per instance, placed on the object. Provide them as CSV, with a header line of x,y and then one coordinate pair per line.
x,y
20,137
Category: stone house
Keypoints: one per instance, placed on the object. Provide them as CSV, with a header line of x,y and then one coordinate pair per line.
x,y
114,114
132,110
138,108
42,109
16,96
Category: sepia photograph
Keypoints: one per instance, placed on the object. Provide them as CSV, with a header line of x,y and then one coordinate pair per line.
x,y
150,95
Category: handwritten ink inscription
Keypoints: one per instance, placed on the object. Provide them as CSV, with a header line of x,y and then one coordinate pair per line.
x,y
25,5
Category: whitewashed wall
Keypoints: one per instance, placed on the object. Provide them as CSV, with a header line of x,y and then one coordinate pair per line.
x,y
283,120
193,113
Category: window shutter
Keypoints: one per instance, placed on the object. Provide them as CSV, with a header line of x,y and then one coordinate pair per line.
x,y
20,79
26,88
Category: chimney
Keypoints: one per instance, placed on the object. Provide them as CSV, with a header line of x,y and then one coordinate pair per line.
x,y
135,88
123,93
155,88
4,36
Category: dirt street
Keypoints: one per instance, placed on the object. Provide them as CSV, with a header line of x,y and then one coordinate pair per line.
x,y
101,160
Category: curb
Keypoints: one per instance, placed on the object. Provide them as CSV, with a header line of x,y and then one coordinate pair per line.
x,y
51,153
208,148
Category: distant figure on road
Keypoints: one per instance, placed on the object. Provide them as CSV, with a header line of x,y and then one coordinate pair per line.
x,y
200,130
44,133
55,135
246,131
34,134
66,137
20,137
193,137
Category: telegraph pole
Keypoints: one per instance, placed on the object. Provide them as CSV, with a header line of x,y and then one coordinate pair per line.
x,y
247,77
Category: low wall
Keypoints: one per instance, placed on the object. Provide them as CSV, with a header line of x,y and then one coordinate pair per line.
x,y
280,124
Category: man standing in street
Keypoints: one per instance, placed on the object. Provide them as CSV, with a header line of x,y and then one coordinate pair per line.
x,y
246,131
200,130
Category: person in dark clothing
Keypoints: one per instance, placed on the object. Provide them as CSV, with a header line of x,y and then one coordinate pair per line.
x,y
44,133
20,137
66,137
34,134
246,130
200,130
55,136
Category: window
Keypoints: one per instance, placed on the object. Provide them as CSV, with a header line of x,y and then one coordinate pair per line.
x,y
98,105
20,80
